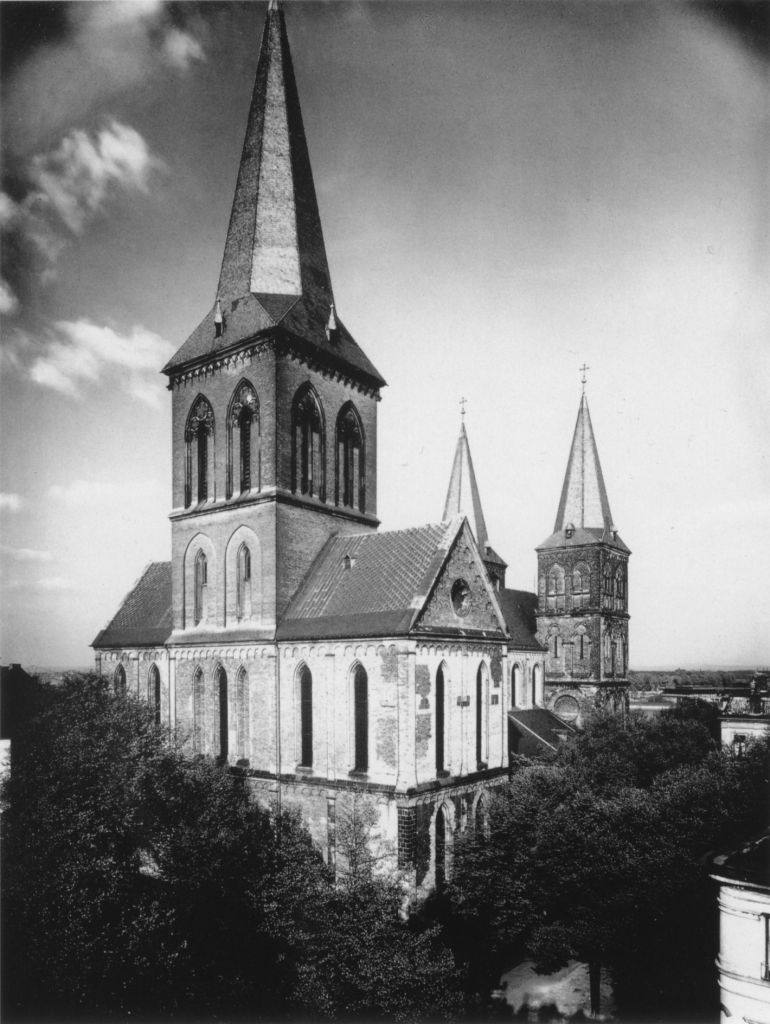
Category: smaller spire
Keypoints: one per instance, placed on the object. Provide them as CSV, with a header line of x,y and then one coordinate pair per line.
x,y
463,493
584,500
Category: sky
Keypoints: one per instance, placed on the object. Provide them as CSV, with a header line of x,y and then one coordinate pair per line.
x,y
507,190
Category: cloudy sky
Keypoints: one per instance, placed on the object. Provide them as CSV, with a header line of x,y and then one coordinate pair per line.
x,y
507,190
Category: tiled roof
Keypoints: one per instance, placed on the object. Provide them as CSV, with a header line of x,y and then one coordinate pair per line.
x,y
518,608
582,536
368,584
535,730
144,617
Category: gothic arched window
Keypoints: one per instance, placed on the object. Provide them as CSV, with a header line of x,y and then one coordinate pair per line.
x,y
306,717
482,699
201,587
153,691
242,717
244,455
515,684
119,681
198,695
224,717
607,584
360,720
537,683
350,485
440,710
556,588
620,588
308,444
243,582
199,441
581,586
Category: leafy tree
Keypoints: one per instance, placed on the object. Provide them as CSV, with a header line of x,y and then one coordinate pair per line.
x,y
578,866
140,882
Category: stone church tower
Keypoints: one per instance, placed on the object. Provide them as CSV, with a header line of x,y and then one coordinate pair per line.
x,y
582,616
274,404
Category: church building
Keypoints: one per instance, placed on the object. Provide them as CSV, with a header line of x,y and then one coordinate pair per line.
x,y
290,637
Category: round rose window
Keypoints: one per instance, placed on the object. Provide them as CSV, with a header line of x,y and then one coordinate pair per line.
x,y
461,597
567,707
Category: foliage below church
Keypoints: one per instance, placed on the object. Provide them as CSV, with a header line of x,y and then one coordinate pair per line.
x,y
139,882
600,856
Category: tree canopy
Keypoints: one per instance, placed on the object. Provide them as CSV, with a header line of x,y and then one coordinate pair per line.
x,y
138,881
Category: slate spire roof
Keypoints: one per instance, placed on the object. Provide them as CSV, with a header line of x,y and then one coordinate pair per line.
x,y
584,500
274,269
463,495
584,516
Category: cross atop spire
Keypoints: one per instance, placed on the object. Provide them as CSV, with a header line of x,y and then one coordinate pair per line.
x,y
584,500
583,378
462,409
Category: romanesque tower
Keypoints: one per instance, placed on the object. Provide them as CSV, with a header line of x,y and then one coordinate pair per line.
x,y
582,614
274,404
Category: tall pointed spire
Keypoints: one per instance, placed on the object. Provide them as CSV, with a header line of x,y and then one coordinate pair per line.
x,y
274,269
463,494
274,243
584,500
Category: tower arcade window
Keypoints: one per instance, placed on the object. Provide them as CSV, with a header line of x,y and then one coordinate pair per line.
x,y
243,582
581,587
556,589
201,587
243,441
620,589
308,444
607,585
360,720
351,477
199,434
306,717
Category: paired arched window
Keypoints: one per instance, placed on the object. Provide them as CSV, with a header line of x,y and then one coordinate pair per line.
x,y
482,686
224,717
243,582
119,681
242,718
581,586
199,450
306,717
440,711
350,476
556,588
201,587
244,457
308,444
360,720
153,691
516,691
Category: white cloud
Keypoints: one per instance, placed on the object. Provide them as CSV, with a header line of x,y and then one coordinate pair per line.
x,y
54,585
26,554
8,209
80,351
181,48
8,301
11,502
76,178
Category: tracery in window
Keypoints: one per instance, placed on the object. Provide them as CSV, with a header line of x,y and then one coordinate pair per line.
x,y
243,441
308,444
199,439
350,476
556,588
201,587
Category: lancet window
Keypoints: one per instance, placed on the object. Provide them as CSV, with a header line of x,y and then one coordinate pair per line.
x,y
119,681
556,589
308,445
153,691
199,445
306,717
201,587
581,586
243,582
242,719
243,441
360,720
351,475
620,589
